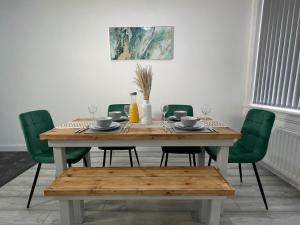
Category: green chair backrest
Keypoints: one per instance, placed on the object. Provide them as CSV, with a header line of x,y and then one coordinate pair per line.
x,y
33,124
116,107
256,132
176,107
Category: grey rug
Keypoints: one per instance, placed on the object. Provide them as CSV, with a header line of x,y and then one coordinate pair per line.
x,y
12,164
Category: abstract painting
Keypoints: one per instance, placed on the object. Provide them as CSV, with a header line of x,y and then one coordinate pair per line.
x,y
132,43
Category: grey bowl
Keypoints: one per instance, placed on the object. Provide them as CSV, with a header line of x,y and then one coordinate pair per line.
x,y
116,115
189,121
179,114
104,121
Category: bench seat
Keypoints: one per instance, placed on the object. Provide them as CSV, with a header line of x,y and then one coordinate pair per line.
x,y
142,183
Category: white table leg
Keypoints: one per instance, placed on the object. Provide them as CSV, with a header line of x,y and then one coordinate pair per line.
x,y
201,158
222,160
60,160
78,211
214,211
203,211
66,212
88,159
75,206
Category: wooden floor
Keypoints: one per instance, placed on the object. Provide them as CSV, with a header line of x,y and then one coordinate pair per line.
x,y
246,208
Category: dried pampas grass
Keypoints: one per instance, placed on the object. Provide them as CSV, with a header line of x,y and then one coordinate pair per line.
x,y
143,80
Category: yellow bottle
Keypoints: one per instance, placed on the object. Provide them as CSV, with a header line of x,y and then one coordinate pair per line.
x,y
133,109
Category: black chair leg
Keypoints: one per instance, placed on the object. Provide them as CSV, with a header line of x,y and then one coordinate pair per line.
x,y
136,156
162,159
209,161
104,158
110,157
34,183
194,159
166,160
85,162
69,165
130,156
190,159
260,186
240,170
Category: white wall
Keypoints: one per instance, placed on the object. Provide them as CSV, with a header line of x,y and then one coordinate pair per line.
x,y
55,55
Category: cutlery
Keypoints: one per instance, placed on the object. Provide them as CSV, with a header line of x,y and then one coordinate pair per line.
x,y
82,129
212,129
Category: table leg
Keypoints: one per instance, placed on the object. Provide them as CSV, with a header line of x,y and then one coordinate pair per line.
x,y
60,160
66,212
214,211
222,160
203,211
201,158
65,206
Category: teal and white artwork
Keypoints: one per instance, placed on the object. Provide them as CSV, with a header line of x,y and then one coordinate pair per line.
x,y
132,43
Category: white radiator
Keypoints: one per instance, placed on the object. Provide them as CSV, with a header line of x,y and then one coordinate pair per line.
x,y
283,155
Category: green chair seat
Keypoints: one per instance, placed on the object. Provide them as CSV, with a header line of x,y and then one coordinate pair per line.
x,y
235,154
181,150
73,155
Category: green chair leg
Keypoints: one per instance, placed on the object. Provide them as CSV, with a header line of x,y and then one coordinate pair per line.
x,y
104,158
260,186
162,159
240,171
34,183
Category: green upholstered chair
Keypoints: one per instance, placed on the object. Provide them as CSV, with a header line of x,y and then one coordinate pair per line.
x,y
33,124
253,144
118,107
191,151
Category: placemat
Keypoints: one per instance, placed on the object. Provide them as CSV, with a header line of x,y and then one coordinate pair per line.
x,y
75,124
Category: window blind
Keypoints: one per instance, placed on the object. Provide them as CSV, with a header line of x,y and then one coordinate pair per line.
x,y
277,79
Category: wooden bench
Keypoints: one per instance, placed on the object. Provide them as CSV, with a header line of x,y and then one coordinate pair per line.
x,y
192,183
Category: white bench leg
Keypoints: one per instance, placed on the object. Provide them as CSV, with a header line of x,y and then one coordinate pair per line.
x,y
66,212
214,213
78,211
203,211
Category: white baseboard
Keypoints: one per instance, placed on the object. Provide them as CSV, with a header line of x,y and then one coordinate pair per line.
x,y
280,174
13,147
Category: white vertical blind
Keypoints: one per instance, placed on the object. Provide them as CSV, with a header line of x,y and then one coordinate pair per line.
x,y
277,81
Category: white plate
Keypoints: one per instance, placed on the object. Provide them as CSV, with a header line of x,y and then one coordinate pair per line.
x,y
113,125
122,118
173,118
197,126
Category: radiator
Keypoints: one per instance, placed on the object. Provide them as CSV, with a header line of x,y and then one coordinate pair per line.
x,y
283,155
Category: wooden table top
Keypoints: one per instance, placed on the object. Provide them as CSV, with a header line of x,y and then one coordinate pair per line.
x,y
148,181
140,133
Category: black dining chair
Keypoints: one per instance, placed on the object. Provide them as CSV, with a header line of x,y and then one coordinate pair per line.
x,y
191,151
118,107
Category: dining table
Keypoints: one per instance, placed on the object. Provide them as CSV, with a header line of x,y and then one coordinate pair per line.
x,y
156,134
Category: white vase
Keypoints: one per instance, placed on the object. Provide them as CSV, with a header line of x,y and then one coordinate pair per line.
x,y
146,112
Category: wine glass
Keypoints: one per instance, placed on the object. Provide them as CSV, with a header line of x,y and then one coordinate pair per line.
x,y
206,109
164,110
92,109
126,110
